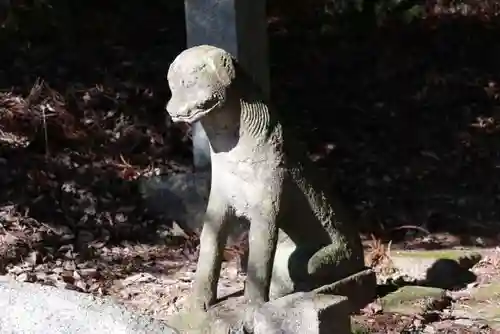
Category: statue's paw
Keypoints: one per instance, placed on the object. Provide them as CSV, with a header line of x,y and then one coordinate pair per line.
x,y
248,317
196,305
193,316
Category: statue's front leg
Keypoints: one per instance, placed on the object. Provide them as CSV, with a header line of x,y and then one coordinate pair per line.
x,y
212,242
262,242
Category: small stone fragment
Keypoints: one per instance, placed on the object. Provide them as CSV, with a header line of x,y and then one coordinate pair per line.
x,y
89,272
26,277
139,278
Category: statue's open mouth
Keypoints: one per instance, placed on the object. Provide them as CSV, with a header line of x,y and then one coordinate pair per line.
x,y
193,117
186,118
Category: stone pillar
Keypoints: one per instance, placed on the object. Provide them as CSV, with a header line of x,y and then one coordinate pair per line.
x,y
238,26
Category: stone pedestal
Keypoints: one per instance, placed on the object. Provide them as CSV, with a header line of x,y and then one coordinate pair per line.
x,y
304,313
298,313
360,289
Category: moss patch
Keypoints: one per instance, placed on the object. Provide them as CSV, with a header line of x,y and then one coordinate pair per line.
x,y
484,303
487,293
410,299
448,254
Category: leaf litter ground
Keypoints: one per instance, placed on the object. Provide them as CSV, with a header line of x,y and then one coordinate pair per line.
x,y
405,118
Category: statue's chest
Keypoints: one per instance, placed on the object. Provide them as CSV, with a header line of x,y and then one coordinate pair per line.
x,y
247,183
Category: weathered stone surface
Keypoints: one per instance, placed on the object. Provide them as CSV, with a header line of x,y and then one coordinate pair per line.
x,y
482,302
411,300
304,313
438,268
360,289
36,309
301,234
